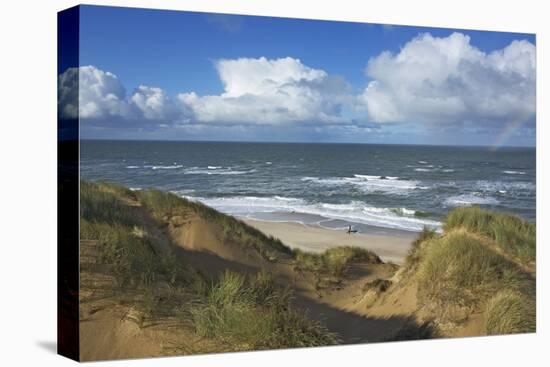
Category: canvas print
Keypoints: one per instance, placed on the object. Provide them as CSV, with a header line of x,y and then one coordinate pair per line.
x,y
235,183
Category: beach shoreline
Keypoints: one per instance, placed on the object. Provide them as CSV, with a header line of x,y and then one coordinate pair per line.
x,y
310,238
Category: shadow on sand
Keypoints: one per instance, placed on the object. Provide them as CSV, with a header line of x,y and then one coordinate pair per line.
x,y
352,328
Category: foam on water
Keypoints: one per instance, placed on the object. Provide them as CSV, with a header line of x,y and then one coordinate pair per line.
x,y
352,212
384,186
167,167
494,186
212,170
369,183
470,199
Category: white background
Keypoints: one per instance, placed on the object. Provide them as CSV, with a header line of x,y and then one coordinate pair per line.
x,y
28,181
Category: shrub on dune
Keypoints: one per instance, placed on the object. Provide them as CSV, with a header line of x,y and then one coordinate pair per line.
x,y
252,313
334,261
510,312
414,254
515,236
458,272
99,205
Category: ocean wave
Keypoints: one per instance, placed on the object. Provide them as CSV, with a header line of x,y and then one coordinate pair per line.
x,y
132,167
167,167
214,170
353,212
369,177
470,199
431,168
510,172
404,211
369,183
497,186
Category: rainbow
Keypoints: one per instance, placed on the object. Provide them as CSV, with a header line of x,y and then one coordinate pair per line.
x,y
505,134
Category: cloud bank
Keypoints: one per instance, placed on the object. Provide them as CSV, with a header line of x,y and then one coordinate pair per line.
x,y
447,80
431,82
262,91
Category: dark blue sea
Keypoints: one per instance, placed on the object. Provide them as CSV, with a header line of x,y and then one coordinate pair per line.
x,y
371,187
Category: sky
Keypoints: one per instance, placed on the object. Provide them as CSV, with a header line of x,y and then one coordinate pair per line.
x,y
153,74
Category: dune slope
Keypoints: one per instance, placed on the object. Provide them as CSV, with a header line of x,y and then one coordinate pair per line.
x,y
161,275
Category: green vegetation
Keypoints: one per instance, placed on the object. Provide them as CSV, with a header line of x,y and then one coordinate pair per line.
x,y
458,271
334,261
510,312
126,248
99,204
252,313
514,235
242,312
414,255
477,264
481,263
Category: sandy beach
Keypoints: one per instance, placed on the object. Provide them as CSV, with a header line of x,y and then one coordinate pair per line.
x,y
317,239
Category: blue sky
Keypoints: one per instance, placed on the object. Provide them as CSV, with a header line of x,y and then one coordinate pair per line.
x,y
198,76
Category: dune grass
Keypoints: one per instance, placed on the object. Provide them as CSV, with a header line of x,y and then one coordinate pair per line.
x,y
106,218
458,273
414,255
515,236
477,265
252,313
162,204
244,312
510,312
131,255
333,261
99,204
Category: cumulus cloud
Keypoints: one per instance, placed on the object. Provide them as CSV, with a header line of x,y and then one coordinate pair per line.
x,y
256,91
442,82
67,94
95,94
262,91
101,94
447,80
153,104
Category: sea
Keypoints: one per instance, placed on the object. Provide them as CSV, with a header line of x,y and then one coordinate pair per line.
x,y
381,189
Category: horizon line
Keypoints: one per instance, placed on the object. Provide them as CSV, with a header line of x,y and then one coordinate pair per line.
x,y
309,142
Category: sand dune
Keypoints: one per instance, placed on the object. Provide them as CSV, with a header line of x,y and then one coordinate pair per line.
x,y
368,300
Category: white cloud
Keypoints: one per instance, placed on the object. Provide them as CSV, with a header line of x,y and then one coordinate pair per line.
x,y
447,80
262,91
256,91
430,81
153,104
67,93
101,94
